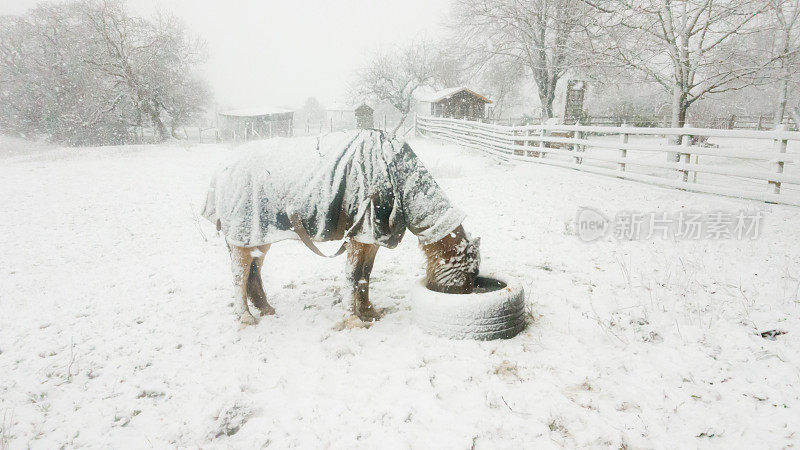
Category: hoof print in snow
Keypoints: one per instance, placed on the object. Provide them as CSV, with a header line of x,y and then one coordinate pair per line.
x,y
121,421
148,393
653,337
709,434
230,420
507,370
558,432
351,323
772,334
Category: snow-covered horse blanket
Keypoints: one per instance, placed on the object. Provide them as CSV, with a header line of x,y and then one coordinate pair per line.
x,y
360,184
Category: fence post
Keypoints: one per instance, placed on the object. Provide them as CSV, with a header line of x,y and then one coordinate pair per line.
x,y
542,143
577,147
683,157
529,143
623,152
520,143
777,167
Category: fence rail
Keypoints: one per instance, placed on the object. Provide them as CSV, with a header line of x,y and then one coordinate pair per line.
x,y
757,165
731,122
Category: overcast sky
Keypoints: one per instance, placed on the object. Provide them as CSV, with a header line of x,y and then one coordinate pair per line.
x,y
270,52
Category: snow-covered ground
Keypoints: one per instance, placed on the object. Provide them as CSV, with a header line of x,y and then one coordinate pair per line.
x,y
117,330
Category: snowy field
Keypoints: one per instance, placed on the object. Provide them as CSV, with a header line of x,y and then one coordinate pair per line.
x,y
117,330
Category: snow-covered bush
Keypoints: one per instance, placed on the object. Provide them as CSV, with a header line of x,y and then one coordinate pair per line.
x,y
89,73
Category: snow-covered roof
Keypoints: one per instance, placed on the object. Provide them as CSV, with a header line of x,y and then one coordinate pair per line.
x,y
445,93
346,107
255,111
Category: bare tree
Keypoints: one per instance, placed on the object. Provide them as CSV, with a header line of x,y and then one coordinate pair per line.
x,y
542,36
313,109
46,89
88,72
171,65
447,67
394,76
692,48
786,38
502,83
152,59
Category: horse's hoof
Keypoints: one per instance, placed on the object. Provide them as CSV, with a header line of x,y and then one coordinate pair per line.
x,y
247,319
370,314
352,322
267,311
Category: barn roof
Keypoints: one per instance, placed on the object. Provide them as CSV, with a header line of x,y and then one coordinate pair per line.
x,y
434,97
255,111
347,107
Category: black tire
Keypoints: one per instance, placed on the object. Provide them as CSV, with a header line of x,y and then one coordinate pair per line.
x,y
498,314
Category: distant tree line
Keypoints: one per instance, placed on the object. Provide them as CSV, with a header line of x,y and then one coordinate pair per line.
x,y
89,73
689,49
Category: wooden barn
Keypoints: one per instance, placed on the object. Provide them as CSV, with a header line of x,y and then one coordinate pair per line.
x,y
255,123
457,103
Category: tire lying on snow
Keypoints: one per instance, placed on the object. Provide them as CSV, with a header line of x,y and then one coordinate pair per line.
x,y
496,310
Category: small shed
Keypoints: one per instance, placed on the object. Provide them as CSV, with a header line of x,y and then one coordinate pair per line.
x,y
457,103
255,123
364,116
345,117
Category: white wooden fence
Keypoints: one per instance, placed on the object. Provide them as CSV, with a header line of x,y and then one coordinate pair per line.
x,y
757,165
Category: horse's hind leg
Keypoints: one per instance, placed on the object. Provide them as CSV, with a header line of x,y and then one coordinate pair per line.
x,y
255,287
241,259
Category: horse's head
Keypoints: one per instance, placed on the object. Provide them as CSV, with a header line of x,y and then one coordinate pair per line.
x,y
453,263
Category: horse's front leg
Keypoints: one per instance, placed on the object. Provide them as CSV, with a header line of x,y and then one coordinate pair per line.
x,y
360,258
241,259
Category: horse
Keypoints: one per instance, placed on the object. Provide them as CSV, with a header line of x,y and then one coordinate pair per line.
x,y
364,188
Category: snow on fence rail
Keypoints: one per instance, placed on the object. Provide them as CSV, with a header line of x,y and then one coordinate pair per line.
x,y
757,165
731,122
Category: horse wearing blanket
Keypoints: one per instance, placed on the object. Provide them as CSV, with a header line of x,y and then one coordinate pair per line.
x,y
363,187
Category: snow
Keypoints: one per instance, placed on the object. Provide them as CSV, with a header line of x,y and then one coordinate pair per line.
x,y
117,330
430,96
345,107
256,111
